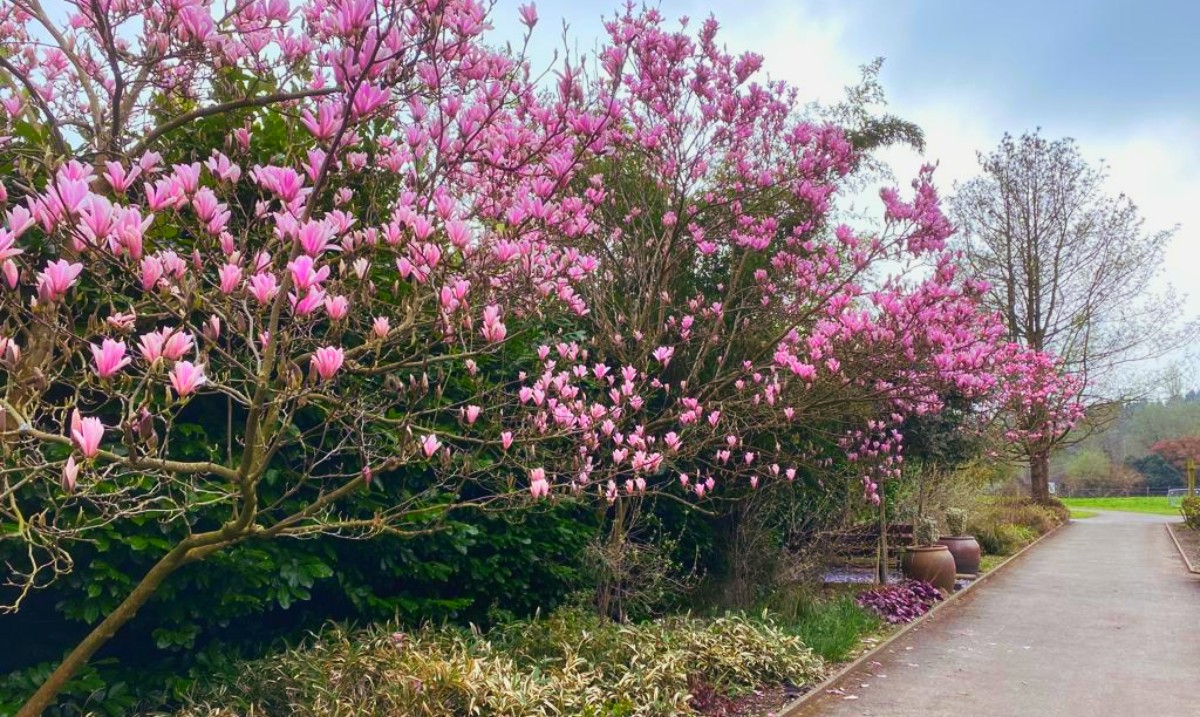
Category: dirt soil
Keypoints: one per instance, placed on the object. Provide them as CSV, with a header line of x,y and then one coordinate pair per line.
x,y
1189,540
766,701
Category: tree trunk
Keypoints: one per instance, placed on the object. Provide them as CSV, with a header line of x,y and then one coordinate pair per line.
x,y
1039,475
881,573
102,633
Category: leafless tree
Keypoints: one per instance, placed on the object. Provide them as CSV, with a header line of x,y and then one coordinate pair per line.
x,y
1072,270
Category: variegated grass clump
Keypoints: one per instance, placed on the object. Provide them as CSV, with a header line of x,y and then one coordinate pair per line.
x,y
567,664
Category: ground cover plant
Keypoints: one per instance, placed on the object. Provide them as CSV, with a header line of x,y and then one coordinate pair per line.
x,y
900,603
568,663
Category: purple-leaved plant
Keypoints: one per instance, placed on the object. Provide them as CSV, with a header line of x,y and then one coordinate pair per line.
x,y
901,603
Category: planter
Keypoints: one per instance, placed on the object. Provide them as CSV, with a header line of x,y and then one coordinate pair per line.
x,y
931,563
965,550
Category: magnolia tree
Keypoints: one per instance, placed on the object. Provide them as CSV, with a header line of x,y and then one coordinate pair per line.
x,y
1037,403
756,337
331,294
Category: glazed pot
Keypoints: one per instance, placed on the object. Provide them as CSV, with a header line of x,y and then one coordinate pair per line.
x,y
965,550
930,563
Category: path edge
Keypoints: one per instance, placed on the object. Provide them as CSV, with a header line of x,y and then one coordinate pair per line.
x,y
794,709
1182,553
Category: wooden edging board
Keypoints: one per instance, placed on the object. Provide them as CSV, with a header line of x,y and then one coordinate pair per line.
x,y
793,709
1182,553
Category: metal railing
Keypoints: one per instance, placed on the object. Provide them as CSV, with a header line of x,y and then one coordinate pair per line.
x,y
1115,492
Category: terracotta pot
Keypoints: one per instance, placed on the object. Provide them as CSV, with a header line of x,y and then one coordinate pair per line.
x,y
966,553
930,563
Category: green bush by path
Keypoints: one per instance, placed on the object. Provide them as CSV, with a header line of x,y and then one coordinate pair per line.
x,y
1189,508
1005,525
1157,505
571,663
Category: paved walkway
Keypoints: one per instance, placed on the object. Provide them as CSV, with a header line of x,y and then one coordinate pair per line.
x,y
1099,620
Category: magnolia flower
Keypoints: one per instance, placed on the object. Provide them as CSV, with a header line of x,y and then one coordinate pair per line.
x,y
314,299
337,307
56,279
70,474
10,351
430,445
327,361
231,276
86,434
538,485
493,329
472,414
109,357
529,15
12,273
304,273
263,287
186,377
122,321
506,439
381,326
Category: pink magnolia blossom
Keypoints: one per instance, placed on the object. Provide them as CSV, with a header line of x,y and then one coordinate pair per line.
x,y
56,279
70,474
122,321
314,299
327,361
304,273
231,278
539,487
529,15
167,343
86,434
152,272
430,445
7,250
186,377
109,357
264,287
337,307
315,238
12,274
493,329
381,327
176,343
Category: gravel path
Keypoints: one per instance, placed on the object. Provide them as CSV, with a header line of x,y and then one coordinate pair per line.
x,y
1099,619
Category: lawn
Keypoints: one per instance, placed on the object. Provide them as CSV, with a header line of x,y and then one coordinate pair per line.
x,y
1080,513
1141,504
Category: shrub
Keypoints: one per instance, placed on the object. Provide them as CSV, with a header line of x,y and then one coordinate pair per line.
x,y
1005,538
1190,509
1004,525
901,603
570,663
956,521
926,531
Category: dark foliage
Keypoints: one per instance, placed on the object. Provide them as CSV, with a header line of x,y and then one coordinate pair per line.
x,y
901,603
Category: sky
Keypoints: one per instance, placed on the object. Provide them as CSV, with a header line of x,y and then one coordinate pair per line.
x,y
1116,75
